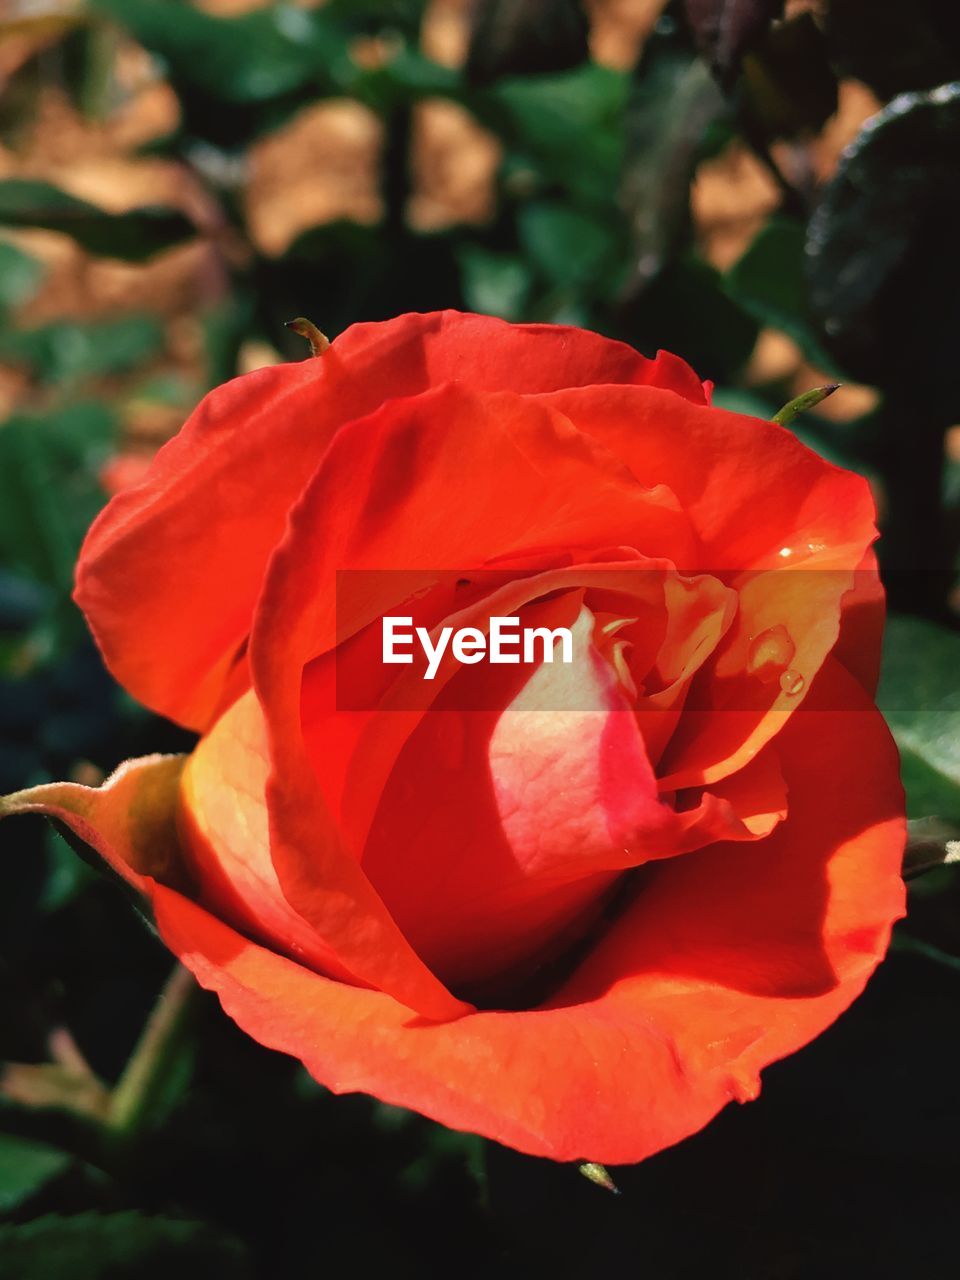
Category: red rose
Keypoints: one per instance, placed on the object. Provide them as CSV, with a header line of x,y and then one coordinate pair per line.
x,y
581,914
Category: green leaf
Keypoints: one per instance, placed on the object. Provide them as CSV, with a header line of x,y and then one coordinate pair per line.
x,y
570,249
893,50
49,491
741,400
132,236
66,874
116,1246
25,1168
247,59
568,127
685,309
789,89
674,105
20,276
406,78
920,698
768,282
525,37
494,284
882,253
65,352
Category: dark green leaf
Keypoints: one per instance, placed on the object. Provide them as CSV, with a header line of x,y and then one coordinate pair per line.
x,y
673,104
25,1168
116,1246
883,256
893,48
789,88
769,283
921,700
132,236
517,37
686,310
66,873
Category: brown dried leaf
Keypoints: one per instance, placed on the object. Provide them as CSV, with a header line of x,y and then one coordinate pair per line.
x,y
454,165
321,167
732,196
619,29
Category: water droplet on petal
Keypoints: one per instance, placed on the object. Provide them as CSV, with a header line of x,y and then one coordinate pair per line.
x,y
785,553
770,654
792,682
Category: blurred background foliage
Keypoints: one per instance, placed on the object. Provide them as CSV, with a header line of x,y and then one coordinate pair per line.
x,y
769,189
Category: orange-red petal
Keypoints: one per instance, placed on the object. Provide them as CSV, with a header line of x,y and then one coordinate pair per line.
x,y
729,960
170,570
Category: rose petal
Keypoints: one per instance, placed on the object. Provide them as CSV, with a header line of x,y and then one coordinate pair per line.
x,y
228,833
860,644
751,490
130,820
443,481
216,498
225,835
493,826
785,528
728,961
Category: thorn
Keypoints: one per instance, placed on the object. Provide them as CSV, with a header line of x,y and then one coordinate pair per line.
x,y
809,400
597,1174
307,329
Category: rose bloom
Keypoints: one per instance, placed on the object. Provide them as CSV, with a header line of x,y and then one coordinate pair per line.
x,y
574,908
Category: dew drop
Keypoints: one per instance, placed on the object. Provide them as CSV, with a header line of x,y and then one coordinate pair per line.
x,y
770,654
785,553
792,682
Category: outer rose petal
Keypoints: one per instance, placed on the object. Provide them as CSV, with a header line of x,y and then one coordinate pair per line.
x,y
752,950
222,817
751,490
130,820
225,830
216,498
860,645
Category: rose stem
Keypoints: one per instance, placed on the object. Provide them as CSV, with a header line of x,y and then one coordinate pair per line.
x,y
143,1078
